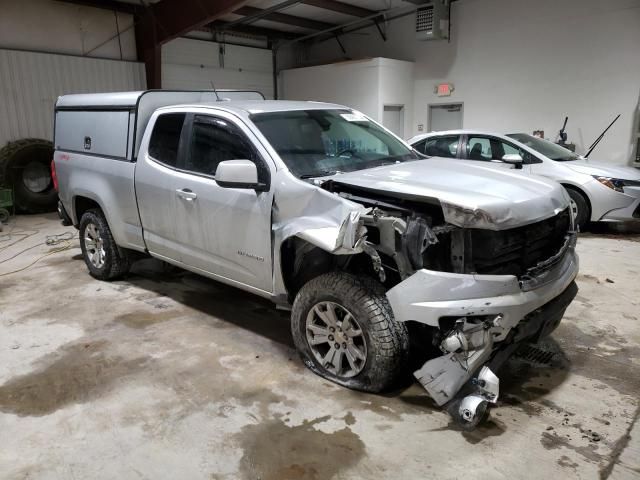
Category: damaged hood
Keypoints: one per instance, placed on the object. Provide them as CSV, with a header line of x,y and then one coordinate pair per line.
x,y
472,195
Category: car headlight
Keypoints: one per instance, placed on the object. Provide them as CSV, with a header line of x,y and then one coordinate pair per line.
x,y
613,183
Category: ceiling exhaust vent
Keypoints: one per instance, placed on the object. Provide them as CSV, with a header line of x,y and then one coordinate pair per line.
x,y
432,21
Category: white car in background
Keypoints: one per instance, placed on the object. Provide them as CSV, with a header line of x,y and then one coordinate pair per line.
x,y
599,192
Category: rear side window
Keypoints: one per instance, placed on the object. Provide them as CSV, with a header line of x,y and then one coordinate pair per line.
x,y
165,138
442,146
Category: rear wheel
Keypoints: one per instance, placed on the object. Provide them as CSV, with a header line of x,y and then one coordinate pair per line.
x,y
104,259
580,208
344,330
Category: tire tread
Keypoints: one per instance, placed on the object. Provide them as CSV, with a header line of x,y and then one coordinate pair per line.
x,y
117,261
390,337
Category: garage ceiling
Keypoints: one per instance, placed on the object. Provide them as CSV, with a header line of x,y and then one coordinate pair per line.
x,y
274,19
278,21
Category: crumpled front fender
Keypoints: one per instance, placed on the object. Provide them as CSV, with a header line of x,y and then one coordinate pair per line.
x,y
317,216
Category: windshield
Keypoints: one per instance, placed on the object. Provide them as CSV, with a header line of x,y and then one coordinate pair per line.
x,y
315,143
545,147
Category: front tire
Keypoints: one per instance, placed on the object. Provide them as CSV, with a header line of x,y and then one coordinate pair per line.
x,y
104,259
344,330
580,208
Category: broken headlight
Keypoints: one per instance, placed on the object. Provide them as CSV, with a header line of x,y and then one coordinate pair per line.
x,y
612,183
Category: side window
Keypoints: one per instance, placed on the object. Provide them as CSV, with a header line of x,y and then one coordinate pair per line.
x,y
479,148
419,146
442,146
165,138
501,148
214,140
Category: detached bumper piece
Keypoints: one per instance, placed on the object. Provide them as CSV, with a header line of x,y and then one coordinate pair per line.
x,y
469,349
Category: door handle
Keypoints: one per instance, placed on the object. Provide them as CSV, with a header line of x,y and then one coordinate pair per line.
x,y
186,194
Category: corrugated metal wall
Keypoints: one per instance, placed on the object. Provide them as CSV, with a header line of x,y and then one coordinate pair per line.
x,y
193,64
31,82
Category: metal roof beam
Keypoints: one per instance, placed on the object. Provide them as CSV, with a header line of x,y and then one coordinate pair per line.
x,y
283,18
166,20
106,5
258,15
221,26
174,18
340,7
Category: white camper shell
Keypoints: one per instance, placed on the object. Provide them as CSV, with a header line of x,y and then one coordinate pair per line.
x,y
112,124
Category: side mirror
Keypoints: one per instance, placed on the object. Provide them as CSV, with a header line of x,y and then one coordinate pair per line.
x,y
238,174
513,159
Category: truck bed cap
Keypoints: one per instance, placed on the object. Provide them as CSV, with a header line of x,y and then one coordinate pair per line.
x,y
130,100
109,100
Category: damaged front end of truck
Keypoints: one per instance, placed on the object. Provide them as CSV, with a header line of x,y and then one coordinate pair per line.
x,y
481,283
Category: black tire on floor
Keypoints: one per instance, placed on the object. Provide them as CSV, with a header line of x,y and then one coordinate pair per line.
x,y
116,262
387,341
24,156
583,213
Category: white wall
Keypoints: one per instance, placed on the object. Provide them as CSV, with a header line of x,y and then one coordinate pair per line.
x,y
195,64
31,82
365,85
51,26
523,65
396,88
354,84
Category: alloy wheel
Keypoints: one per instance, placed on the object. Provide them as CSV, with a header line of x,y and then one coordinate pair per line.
x,y
94,245
336,339
574,209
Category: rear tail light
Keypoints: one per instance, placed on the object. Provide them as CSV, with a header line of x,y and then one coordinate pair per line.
x,y
54,176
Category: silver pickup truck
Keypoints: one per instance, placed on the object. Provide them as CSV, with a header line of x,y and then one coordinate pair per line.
x,y
376,249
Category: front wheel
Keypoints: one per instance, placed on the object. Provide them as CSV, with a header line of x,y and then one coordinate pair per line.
x,y
104,259
344,330
580,209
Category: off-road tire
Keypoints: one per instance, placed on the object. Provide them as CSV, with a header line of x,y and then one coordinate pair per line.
x,y
14,157
116,262
387,341
584,213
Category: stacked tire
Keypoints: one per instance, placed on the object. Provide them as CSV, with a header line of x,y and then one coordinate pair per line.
x,y
25,167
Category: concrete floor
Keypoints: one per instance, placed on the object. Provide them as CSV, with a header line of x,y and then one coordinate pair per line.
x,y
169,375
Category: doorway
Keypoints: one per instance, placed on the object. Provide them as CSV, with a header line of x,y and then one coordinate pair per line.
x,y
393,119
445,117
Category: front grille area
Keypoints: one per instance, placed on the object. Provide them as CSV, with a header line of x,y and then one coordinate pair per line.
x,y
514,251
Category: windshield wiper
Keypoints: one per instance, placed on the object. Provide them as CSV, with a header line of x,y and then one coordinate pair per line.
x,y
321,173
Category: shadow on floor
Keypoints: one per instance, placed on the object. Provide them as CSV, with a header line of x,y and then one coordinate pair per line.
x,y
214,299
523,384
621,231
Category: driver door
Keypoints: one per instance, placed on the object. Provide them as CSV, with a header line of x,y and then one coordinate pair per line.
x,y
225,232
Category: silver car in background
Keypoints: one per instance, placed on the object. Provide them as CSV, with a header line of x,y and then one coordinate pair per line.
x,y
600,192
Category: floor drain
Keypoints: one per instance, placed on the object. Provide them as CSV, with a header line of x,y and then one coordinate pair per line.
x,y
535,355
